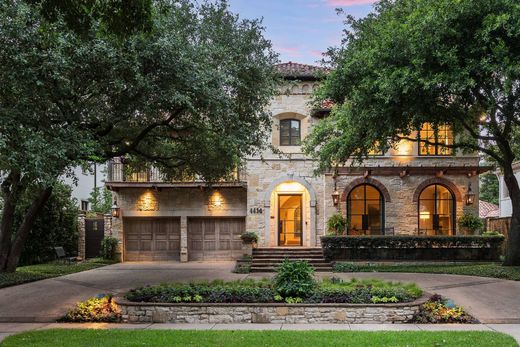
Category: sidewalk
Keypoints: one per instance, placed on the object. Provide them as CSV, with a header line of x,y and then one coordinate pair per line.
x,y
7,329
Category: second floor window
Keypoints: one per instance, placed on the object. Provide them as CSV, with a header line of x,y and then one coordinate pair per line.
x,y
437,138
290,132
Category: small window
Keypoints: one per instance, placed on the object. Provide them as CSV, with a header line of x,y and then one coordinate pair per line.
x,y
84,205
438,138
290,134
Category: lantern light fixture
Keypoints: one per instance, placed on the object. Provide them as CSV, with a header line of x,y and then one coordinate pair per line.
x,y
470,196
115,210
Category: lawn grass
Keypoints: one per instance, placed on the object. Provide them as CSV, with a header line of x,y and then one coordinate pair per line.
x,y
482,270
102,338
37,272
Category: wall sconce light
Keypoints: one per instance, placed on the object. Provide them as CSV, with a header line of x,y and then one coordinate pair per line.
x,y
115,210
335,194
335,198
470,196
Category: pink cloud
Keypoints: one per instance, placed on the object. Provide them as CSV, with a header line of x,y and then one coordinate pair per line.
x,y
290,51
349,2
316,53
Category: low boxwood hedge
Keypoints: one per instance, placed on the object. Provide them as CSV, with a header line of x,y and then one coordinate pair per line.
x,y
405,247
327,291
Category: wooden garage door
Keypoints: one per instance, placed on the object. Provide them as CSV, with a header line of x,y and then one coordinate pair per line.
x,y
152,238
215,238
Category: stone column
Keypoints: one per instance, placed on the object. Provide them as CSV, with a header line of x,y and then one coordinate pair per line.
x,y
114,228
108,224
81,235
184,239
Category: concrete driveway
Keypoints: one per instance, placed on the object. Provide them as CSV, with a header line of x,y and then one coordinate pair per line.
x,y
490,300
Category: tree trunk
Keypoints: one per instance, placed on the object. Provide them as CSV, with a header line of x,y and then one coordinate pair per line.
x,y
513,242
11,194
23,231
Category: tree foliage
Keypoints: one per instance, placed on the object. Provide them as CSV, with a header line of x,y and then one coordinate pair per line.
x,y
188,96
55,226
416,61
489,188
100,200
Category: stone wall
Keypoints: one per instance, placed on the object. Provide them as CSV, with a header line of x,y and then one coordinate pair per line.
x,y
268,313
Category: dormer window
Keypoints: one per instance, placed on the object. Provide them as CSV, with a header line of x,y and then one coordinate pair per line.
x,y
437,139
290,132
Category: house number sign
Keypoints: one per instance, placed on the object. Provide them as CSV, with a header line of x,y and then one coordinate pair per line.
x,y
256,210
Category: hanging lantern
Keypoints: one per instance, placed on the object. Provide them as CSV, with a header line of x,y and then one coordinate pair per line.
x,y
115,210
470,196
335,198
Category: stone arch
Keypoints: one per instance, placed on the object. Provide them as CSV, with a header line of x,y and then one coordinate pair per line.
x,y
267,205
437,180
369,180
290,115
277,182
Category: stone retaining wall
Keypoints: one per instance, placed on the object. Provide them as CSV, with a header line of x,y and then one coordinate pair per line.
x,y
134,312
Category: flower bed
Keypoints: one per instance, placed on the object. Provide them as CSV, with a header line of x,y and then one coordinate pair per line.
x,y
248,301
250,291
403,247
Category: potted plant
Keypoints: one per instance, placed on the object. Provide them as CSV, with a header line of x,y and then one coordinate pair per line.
x,y
249,239
337,225
470,224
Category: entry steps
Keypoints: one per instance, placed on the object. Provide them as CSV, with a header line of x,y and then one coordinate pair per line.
x,y
266,259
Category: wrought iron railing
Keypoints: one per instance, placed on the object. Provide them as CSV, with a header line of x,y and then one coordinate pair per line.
x,y
120,172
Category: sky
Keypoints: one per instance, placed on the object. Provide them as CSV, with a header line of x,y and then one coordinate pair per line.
x,y
301,30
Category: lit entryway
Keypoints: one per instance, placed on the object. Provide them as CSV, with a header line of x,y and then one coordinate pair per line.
x,y
290,227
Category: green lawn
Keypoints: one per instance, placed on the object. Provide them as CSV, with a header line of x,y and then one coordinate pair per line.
x,y
32,273
101,338
483,270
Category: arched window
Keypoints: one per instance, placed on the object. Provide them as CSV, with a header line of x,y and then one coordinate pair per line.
x,y
290,133
436,211
365,211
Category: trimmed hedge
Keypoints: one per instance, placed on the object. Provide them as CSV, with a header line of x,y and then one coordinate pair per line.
x,y
404,247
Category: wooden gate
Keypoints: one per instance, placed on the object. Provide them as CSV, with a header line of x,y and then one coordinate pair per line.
x,y
215,238
94,233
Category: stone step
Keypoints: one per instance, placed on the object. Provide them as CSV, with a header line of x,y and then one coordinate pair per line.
x,y
283,256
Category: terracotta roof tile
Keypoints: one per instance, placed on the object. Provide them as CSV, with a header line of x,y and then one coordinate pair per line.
x,y
300,71
486,209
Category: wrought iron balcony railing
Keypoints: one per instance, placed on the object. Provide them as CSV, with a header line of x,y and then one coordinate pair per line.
x,y
120,172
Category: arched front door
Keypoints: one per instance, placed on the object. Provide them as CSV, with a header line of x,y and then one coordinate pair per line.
x,y
365,211
436,211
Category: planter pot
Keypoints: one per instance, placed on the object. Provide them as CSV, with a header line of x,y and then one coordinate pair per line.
x,y
248,248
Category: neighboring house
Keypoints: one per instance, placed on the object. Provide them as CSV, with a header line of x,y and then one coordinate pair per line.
x,y
487,209
506,209
85,181
414,189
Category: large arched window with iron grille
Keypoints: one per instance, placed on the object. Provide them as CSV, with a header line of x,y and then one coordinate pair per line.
x,y
436,211
366,211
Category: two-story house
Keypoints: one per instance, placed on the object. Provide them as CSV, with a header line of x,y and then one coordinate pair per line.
x,y
413,189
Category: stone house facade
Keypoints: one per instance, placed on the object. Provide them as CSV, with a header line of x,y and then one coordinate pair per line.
x,y
409,190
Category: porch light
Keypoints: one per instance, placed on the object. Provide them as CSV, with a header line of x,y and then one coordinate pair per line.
x,y
115,210
470,196
335,198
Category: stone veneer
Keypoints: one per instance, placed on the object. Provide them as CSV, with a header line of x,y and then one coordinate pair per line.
x,y
133,312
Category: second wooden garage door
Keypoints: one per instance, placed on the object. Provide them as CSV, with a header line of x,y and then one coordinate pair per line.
x,y
152,238
215,238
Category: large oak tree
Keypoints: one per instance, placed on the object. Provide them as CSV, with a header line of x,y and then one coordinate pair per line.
x,y
438,61
188,94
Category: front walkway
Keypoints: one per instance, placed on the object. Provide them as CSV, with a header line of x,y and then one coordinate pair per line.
x,y
490,300
7,329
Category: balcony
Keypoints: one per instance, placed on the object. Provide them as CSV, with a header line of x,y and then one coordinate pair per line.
x,y
123,175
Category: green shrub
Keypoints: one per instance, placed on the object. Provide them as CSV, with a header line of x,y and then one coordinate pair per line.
x,y
336,224
471,222
99,309
493,233
294,279
332,290
346,267
109,247
249,237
